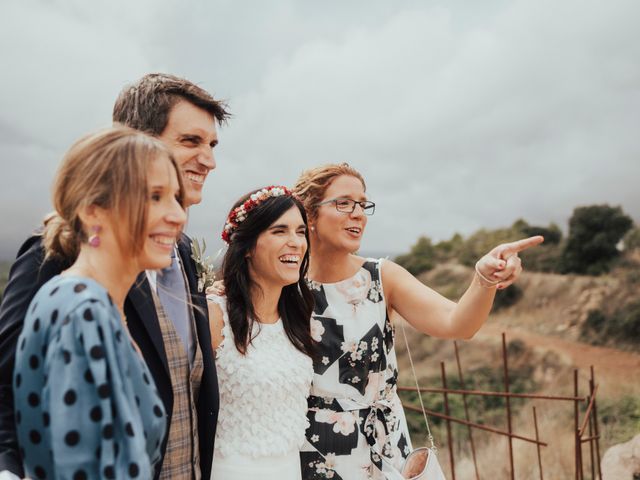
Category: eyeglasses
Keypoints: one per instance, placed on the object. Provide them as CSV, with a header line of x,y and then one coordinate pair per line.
x,y
346,205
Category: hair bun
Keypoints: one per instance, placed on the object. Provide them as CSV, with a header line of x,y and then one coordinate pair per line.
x,y
59,237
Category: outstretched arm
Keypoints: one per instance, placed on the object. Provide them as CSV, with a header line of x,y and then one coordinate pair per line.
x,y
435,315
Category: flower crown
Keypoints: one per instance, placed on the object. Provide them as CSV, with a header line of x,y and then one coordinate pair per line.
x,y
239,214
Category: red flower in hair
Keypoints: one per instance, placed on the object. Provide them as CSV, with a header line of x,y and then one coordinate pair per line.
x,y
239,214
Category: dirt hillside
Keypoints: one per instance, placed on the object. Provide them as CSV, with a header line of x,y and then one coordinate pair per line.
x,y
543,331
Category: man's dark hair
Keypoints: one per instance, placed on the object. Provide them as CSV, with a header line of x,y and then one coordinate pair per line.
x,y
145,105
296,301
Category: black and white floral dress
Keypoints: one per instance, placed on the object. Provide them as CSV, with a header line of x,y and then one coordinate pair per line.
x,y
357,425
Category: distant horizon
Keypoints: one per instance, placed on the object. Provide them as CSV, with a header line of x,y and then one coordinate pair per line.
x,y
367,254
216,246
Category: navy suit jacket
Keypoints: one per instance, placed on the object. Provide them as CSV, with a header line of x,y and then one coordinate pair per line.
x,y
30,272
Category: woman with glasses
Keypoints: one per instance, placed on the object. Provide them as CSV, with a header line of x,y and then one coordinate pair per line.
x,y
357,425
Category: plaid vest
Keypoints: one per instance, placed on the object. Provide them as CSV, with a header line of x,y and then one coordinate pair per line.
x,y
182,455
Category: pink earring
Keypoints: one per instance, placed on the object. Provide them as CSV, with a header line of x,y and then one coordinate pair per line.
x,y
94,239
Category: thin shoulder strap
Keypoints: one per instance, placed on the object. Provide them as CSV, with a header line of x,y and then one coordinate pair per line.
x,y
415,378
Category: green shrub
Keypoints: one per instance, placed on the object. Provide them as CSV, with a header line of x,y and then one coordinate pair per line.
x,y
621,327
5,267
632,239
515,348
420,258
619,418
596,321
552,234
633,276
507,297
414,264
594,233
543,258
627,322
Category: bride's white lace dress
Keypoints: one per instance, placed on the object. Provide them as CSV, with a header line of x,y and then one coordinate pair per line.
x,y
263,405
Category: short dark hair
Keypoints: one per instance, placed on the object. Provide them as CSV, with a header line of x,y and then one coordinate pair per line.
x,y
145,104
295,305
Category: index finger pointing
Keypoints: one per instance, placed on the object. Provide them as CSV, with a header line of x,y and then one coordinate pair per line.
x,y
520,245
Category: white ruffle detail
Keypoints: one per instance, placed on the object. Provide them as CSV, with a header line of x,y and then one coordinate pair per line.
x,y
263,394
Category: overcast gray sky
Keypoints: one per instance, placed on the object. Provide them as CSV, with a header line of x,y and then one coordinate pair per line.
x,y
459,114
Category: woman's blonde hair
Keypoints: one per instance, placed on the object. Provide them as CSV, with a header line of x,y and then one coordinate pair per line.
x,y
313,183
107,169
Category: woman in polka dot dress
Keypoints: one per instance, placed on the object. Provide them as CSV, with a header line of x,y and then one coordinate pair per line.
x,y
85,402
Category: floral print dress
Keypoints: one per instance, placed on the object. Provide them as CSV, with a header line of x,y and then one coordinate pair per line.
x,y
357,425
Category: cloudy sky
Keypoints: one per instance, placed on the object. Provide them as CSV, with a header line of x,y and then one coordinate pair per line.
x,y
459,114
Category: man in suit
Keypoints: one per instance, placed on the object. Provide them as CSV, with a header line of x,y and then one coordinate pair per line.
x,y
166,314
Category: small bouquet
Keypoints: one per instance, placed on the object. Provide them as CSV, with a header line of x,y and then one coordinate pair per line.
x,y
204,266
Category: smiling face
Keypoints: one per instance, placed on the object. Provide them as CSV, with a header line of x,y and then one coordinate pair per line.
x,y
336,230
276,259
165,215
191,136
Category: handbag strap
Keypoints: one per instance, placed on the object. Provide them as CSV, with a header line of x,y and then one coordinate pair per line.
x,y
415,378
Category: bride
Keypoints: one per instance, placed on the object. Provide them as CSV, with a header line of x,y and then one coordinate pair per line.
x,y
261,335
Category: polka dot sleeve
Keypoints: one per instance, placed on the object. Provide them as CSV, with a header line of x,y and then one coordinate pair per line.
x,y
95,415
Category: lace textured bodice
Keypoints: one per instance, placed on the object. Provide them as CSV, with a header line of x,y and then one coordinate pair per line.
x,y
263,394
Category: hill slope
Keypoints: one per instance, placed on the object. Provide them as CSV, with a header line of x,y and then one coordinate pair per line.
x,y
543,330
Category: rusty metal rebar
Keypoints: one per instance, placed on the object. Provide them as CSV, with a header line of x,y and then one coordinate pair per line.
x,y
535,424
482,393
596,433
446,410
591,455
474,425
508,403
576,415
466,412
588,412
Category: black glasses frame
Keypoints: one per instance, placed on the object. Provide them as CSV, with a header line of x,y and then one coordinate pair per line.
x,y
368,207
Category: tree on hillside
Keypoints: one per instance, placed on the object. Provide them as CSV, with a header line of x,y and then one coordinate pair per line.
x,y
449,249
552,234
594,233
545,257
483,240
424,255
420,258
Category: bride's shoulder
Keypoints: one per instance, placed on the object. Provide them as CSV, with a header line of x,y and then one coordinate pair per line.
x,y
217,308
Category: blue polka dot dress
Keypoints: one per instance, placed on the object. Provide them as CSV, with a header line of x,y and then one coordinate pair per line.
x,y
85,402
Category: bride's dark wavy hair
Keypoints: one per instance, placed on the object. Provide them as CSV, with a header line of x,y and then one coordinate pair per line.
x,y
296,301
